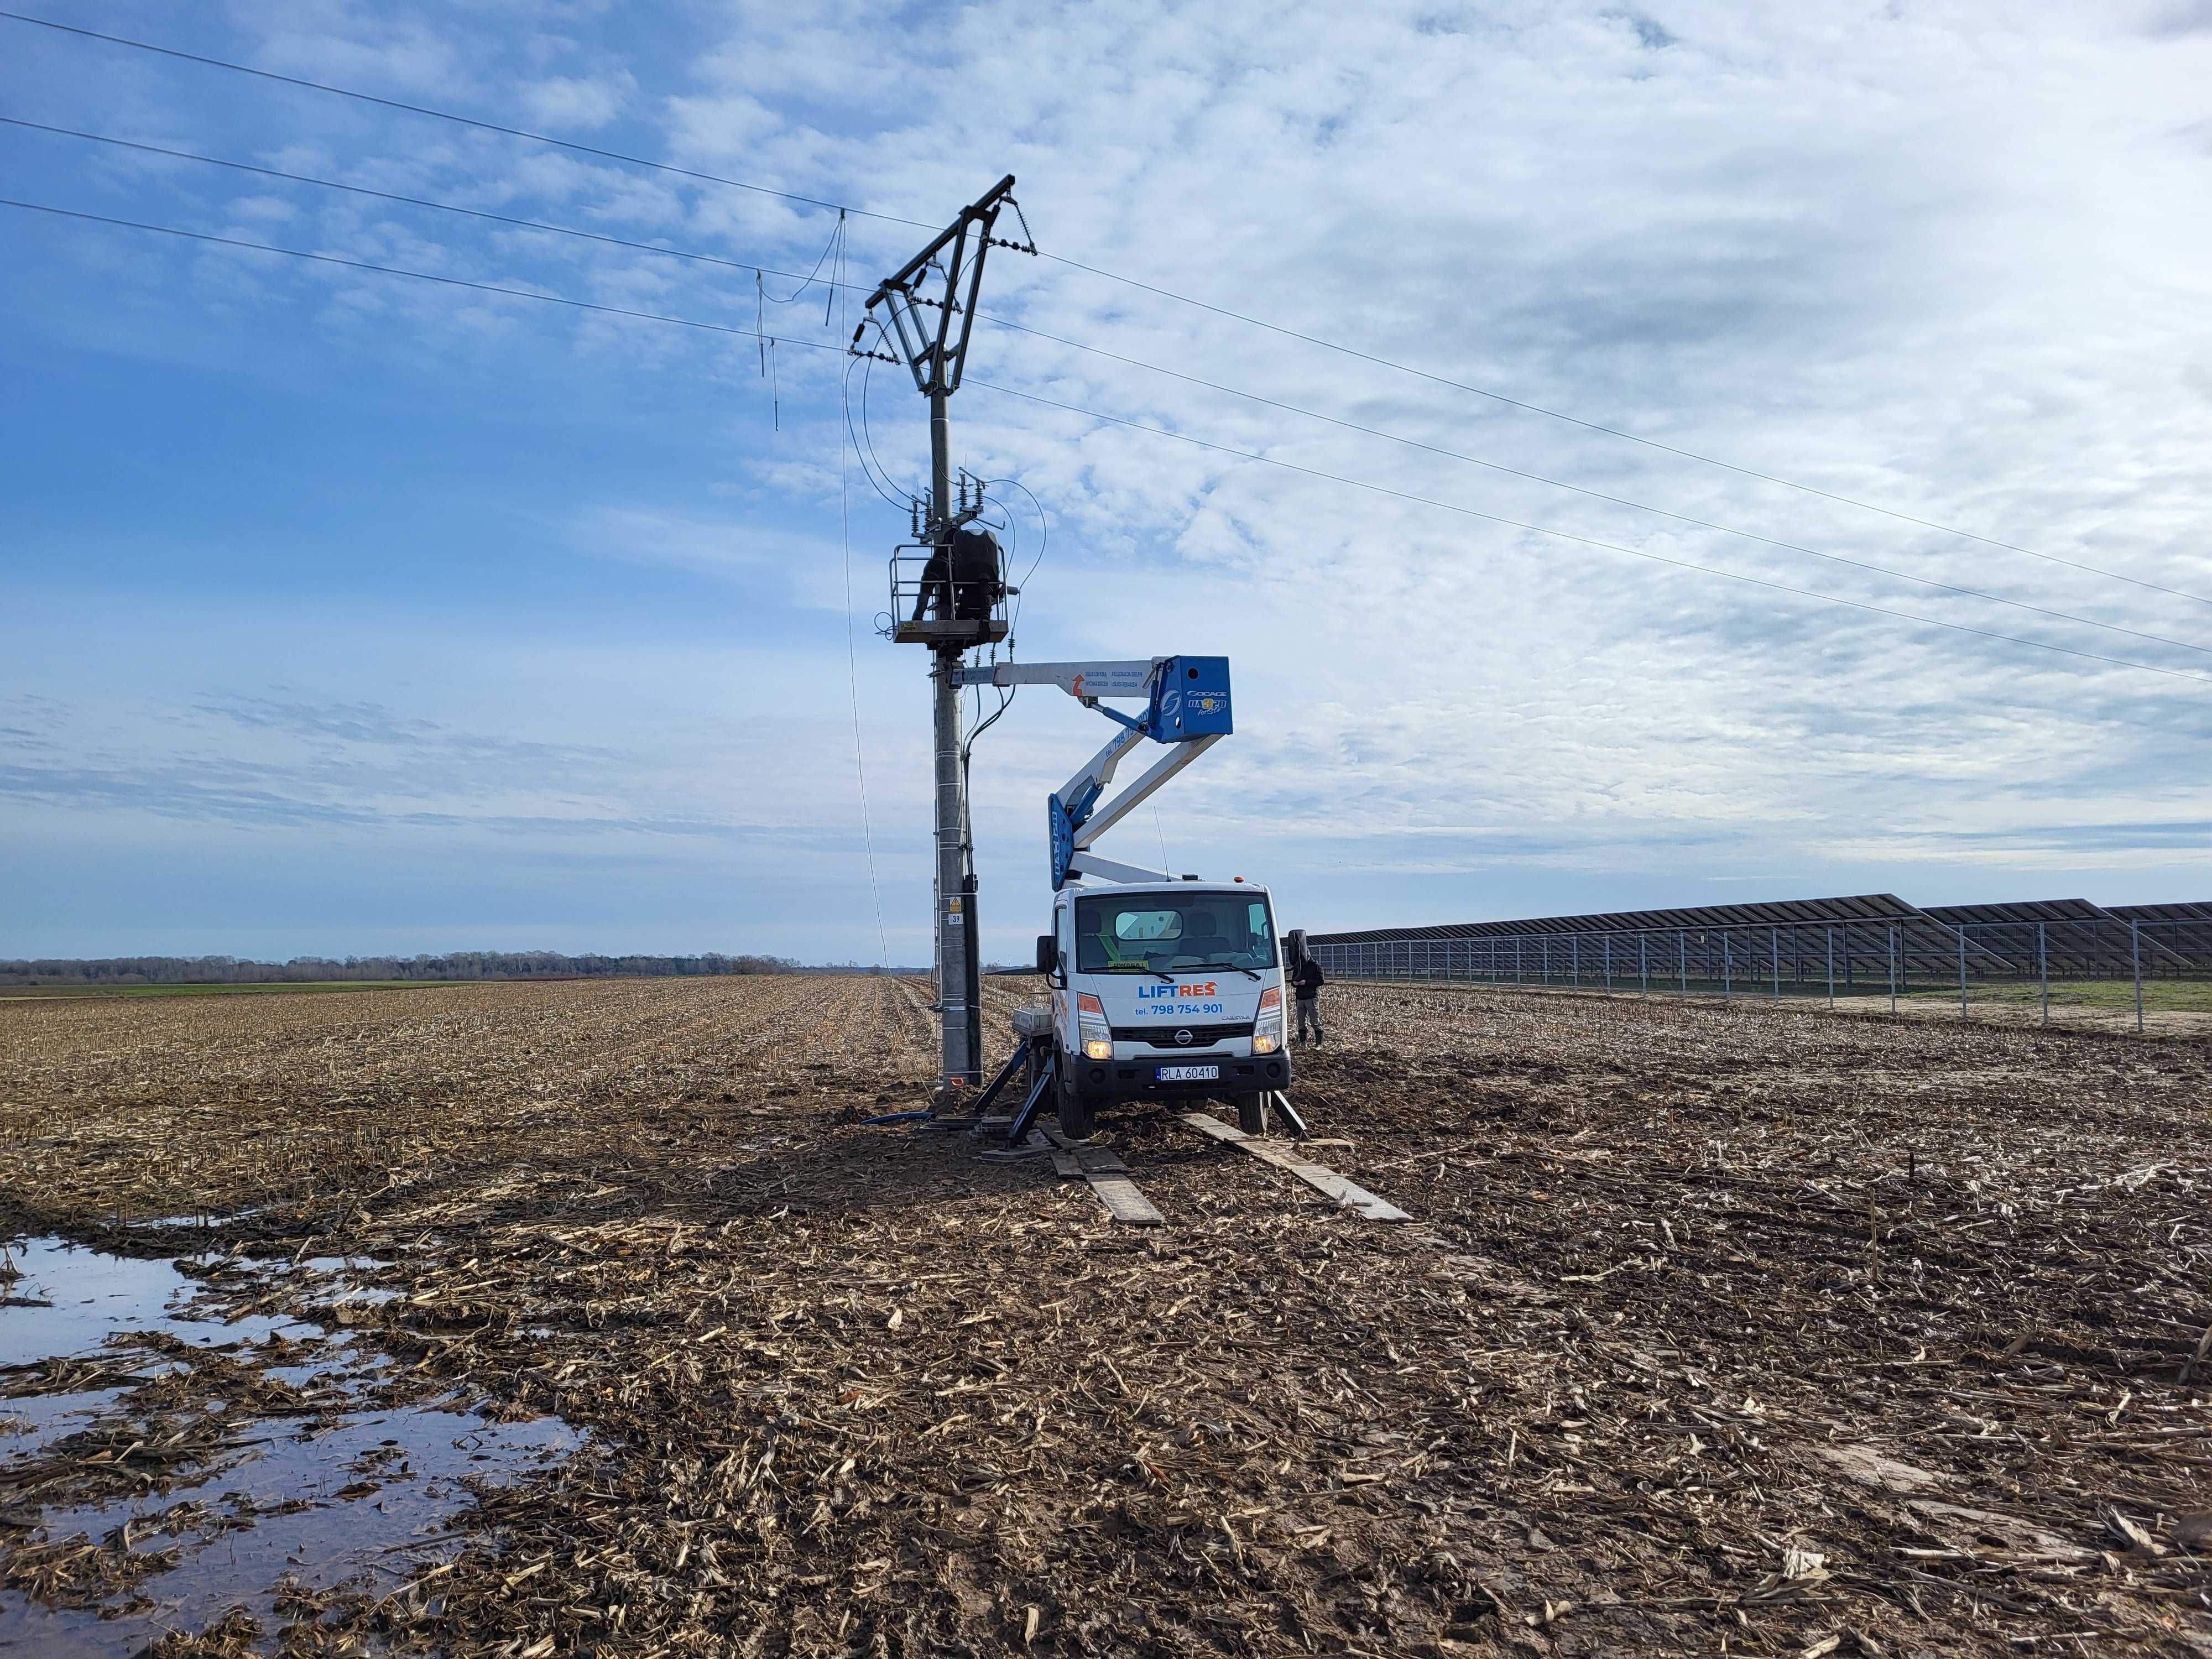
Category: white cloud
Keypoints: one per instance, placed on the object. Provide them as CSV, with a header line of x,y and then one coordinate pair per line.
x,y
565,101
1940,260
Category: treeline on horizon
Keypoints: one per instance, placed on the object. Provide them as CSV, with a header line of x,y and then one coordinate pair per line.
x,y
456,964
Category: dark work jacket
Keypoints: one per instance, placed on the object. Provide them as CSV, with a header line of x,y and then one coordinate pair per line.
x,y
1308,981
961,580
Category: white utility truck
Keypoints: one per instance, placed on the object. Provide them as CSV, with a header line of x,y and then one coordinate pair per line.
x,y
1162,986
1166,989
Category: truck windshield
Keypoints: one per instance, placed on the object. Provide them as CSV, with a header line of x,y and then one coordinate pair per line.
x,y
1163,932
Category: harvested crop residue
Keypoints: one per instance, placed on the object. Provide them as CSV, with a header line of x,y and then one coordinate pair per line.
x,y
1714,1325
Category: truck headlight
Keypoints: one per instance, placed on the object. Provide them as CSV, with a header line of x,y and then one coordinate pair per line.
x,y
1091,1030
1267,1028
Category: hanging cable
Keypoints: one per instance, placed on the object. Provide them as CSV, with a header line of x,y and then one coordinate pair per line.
x,y
852,673
807,281
1044,545
967,751
867,434
852,366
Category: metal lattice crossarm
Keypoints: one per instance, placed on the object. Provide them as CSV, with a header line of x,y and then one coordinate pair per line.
x,y
935,348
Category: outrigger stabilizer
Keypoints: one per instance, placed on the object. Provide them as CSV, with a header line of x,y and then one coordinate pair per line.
x,y
1035,1051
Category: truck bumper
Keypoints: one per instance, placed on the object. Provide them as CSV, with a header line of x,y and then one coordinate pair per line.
x,y
1138,1080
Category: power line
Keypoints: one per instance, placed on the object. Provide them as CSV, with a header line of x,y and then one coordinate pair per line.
x,y
1615,432
1139,426
840,286
1149,287
459,120
1602,495
399,270
1587,540
427,201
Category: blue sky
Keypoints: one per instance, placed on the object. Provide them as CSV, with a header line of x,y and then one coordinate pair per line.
x,y
343,613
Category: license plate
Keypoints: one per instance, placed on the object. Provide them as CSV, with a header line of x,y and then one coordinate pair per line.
x,y
1188,1074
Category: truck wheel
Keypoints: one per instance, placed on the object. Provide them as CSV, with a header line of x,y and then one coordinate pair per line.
x,y
1074,1112
1252,1114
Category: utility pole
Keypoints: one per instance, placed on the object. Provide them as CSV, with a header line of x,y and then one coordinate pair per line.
x,y
944,279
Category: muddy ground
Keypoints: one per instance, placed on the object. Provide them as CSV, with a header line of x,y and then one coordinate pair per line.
x,y
1716,1329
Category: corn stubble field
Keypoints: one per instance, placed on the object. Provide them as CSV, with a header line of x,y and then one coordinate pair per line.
x,y
1740,1330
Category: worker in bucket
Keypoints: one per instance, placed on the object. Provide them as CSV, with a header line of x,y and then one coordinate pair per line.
x,y
963,579
1305,983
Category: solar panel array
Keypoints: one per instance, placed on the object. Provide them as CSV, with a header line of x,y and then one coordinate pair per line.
x,y
1867,936
1873,907
2185,929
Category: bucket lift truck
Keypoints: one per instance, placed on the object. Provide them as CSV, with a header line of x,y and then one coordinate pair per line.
x,y
1163,986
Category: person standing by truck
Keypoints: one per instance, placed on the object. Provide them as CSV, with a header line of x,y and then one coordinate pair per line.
x,y
1306,982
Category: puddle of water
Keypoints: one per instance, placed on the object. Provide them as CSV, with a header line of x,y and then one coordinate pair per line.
x,y
348,1271
373,1484
70,1300
359,1489
28,1426
204,1219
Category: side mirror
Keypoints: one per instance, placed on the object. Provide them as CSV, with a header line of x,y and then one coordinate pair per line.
x,y
1047,953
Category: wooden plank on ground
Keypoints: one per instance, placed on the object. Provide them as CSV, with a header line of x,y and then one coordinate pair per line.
x,y
1323,1180
1107,1176
1123,1201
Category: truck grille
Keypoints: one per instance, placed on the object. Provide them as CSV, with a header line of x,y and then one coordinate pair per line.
x,y
1163,1036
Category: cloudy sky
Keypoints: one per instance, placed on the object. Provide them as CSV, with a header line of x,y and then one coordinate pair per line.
x,y
349,612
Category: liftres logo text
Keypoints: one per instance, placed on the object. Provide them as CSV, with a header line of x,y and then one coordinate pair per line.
x,y
1205,990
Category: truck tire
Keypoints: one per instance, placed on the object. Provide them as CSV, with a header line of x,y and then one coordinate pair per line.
x,y
1076,1116
1252,1114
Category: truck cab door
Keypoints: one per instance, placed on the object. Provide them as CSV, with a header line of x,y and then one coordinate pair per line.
x,y
1063,995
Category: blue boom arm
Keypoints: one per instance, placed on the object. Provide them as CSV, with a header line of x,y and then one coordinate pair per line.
x,y
1187,708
